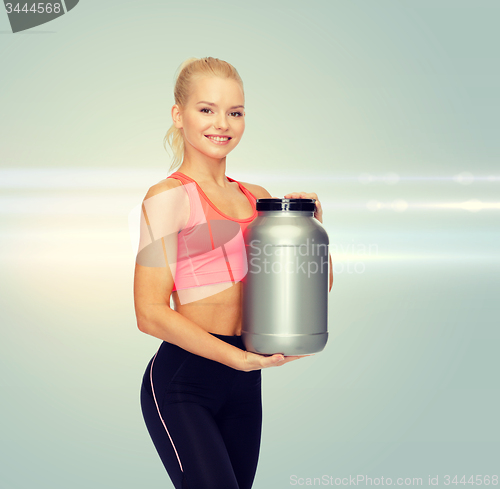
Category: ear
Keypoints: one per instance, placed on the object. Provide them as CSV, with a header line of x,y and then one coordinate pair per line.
x,y
177,116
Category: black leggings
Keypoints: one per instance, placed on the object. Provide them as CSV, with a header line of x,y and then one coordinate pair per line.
x,y
204,418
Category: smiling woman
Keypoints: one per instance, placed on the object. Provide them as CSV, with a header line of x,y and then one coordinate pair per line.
x,y
201,391
213,72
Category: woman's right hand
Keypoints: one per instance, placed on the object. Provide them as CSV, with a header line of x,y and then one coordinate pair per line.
x,y
255,361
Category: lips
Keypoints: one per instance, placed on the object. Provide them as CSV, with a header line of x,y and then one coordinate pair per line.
x,y
213,136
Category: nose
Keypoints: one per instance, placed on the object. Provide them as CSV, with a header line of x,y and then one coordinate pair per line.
x,y
221,123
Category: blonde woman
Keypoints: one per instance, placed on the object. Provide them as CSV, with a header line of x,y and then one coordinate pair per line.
x,y
201,391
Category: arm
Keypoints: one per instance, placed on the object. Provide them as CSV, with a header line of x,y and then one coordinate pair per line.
x,y
261,193
152,289
154,281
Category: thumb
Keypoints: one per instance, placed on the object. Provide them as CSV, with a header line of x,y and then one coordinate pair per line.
x,y
278,357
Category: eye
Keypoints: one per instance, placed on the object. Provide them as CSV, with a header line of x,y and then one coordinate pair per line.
x,y
239,113
204,108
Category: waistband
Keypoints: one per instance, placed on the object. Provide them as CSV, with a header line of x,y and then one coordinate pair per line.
x,y
235,340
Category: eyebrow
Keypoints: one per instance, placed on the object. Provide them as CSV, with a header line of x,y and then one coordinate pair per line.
x,y
215,105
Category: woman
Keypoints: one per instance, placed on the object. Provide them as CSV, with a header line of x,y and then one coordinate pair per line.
x,y
201,391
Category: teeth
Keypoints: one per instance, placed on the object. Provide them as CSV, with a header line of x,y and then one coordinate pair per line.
x,y
218,138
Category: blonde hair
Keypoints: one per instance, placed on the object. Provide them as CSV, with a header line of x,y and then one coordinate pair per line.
x,y
190,71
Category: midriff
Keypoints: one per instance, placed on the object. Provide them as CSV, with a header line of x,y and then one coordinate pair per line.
x,y
220,313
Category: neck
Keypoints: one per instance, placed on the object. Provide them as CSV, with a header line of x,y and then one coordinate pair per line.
x,y
207,170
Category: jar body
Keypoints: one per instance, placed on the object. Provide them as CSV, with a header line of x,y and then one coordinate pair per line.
x,y
285,290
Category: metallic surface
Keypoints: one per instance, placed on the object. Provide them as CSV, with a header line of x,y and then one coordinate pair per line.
x,y
285,291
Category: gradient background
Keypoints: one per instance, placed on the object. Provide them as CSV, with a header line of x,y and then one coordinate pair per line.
x,y
388,110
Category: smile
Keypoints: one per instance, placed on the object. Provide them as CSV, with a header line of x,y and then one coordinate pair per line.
x,y
218,139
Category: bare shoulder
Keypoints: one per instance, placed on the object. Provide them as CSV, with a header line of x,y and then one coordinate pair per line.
x,y
162,186
257,190
171,209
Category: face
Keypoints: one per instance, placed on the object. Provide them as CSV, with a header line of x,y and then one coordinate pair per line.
x,y
213,121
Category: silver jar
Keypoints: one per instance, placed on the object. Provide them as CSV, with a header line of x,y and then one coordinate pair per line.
x,y
285,290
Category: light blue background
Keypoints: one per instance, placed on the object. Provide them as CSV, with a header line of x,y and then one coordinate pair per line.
x,y
388,110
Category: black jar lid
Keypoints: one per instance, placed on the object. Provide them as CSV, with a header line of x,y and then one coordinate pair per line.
x,y
286,205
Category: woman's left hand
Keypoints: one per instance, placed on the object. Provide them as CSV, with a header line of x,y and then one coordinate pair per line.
x,y
318,213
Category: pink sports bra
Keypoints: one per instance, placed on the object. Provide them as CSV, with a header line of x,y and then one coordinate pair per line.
x,y
210,248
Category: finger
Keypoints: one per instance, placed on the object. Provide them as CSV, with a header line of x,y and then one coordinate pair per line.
x,y
275,359
291,358
301,195
286,359
296,195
